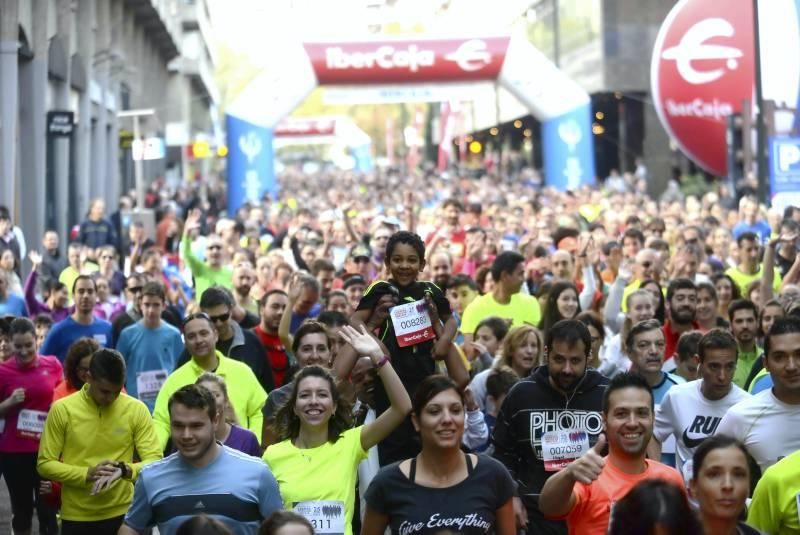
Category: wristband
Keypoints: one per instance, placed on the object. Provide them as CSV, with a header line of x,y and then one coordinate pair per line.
x,y
381,363
127,472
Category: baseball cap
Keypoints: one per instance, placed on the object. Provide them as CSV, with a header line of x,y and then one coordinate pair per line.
x,y
360,251
353,280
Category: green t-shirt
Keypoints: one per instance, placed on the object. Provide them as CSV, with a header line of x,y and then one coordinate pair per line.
x,y
319,483
205,276
744,363
743,280
522,309
774,505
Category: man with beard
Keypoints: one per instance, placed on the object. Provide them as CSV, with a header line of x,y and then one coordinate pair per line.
x,y
244,277
691,412
743,316
325,272
81,323
586,490
441,269
199,478
645,346
529,426
682,305
272,305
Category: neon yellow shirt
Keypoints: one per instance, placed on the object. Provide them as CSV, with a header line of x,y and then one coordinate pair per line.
x,y
204,275
774,505
326,473
78,434
743,280
244,391
521,310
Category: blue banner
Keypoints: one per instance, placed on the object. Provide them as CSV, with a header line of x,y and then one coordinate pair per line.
x,y
784,171
251,163
363,157
568,149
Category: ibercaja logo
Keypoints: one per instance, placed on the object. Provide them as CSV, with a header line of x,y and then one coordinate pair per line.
x,y
703,68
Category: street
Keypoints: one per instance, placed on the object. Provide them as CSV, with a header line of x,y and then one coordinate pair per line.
x,y
5,512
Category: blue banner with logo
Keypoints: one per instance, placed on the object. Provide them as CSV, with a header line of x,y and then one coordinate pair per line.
x,y
568,149
784,171
251,163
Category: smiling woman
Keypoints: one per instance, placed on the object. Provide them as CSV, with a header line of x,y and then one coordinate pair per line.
x,y
316,462
442,488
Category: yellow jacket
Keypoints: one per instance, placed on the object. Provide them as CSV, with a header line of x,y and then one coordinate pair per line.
x,y
244,391
78,435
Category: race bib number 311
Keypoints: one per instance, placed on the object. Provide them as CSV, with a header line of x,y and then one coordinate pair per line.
x,y
412,324
326,516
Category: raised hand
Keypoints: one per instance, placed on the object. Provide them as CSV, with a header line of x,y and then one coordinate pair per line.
x,y
362,342
588,467
192,221
35,258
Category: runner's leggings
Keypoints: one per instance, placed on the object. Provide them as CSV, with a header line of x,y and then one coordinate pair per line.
x,y
22,480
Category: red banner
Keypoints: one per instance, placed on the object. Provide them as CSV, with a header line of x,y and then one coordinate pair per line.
x,y
408,61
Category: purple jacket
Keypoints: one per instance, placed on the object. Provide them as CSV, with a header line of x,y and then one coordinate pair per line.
x,y
36,307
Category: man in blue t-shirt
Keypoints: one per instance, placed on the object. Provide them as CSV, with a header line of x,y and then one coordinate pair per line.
x,y
10,304
151,347
202,477
81,323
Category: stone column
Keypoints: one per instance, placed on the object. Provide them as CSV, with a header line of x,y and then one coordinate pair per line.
x,y
33,112
9,72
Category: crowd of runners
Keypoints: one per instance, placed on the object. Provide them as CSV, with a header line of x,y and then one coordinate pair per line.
x,y
424,354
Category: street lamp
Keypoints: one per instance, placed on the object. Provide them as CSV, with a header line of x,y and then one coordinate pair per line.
x,y
137,162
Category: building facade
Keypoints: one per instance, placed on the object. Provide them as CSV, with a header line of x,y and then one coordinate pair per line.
x,y
68,68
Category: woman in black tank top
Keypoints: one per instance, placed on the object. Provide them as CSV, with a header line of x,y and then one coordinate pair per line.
x,y
442,488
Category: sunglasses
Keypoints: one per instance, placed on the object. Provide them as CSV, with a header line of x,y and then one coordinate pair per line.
x,y
196,316
361,260
135,289
220,318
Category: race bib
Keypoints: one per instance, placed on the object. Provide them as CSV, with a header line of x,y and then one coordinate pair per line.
x,y
326,516
100,339
149,383
559,448
30,424
412,324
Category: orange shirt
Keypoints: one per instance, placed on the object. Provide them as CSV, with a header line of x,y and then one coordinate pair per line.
x,y
592,510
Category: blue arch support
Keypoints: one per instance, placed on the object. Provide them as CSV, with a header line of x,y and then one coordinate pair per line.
x,y
251,163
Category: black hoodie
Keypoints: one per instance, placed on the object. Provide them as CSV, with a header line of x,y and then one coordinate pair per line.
x,y
534,407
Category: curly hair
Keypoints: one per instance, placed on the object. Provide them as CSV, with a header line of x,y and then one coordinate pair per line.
x,y
80,349
408,238
288,423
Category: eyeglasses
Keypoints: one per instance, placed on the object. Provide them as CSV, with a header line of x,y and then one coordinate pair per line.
x,y
196,316
135,289
220,318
